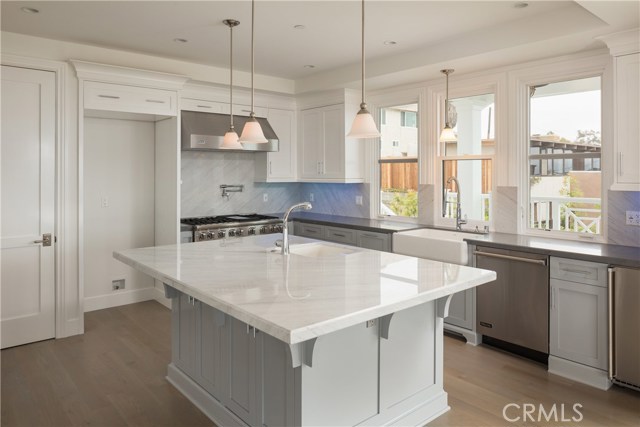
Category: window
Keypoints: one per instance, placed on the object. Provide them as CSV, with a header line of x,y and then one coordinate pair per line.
x,y
408,119
564,156
469,159
398,163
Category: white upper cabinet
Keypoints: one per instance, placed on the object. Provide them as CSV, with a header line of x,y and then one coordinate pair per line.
x,y
625,49
279,166
325,154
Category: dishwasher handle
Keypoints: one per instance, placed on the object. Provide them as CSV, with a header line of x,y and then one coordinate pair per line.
x,y
542,262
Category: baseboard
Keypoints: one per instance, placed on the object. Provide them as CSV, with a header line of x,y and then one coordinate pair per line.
x,y
472,337
584,374
209,406
158,295
118,298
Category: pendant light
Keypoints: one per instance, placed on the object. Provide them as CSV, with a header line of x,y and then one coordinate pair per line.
x,y
230,141
447,134
363,125
252,131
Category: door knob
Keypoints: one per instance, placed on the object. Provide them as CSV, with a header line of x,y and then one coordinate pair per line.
x,y
46,240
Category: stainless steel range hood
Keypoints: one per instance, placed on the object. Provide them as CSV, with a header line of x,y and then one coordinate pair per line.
x,y
205,132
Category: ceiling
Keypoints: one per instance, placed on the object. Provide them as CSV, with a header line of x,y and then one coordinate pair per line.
x,y
424,32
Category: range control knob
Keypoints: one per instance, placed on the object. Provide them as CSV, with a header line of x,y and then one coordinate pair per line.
x,y
231,232
251,231
202,236
263,229
279,228
211,235
239,232
220,234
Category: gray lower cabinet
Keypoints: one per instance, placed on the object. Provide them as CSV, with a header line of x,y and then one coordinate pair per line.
x,y
183,324
578,312
346,236
461,310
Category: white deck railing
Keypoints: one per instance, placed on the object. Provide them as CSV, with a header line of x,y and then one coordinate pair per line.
x,y
577,214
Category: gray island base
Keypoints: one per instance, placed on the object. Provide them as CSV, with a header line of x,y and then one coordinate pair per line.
x,y
343,340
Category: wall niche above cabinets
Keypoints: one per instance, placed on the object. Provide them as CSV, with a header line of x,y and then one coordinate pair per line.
x,y
324,153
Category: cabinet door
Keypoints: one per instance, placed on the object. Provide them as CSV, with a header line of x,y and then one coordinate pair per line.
x,y
461,310
310,144
281,164
627,111
212,349
578,323
243,373
203,106
183,333
129,99
375,241
332,158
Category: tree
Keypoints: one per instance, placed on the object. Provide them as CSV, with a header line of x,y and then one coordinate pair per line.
x,y
589,137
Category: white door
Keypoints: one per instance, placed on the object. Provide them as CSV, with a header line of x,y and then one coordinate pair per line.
x,y
27,172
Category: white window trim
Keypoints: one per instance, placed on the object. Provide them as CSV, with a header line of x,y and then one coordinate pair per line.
x,y
562,70
465,87
385,100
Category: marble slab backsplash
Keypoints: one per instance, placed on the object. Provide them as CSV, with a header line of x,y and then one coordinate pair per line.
x,y
619,233
505,210
203,172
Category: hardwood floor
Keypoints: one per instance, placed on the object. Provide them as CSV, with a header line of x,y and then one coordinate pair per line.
x,y
113,375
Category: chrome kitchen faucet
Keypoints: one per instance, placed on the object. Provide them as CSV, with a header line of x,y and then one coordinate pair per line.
x,y
285,228
459,220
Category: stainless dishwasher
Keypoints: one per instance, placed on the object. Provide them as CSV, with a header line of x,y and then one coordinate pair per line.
x,y
513,310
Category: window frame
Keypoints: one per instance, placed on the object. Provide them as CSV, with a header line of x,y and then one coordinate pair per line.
x,y
548,74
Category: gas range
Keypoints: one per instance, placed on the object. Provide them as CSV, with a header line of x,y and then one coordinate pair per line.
x,y
225,226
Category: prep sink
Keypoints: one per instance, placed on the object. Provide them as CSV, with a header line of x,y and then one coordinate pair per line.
x,y
438,245
316,250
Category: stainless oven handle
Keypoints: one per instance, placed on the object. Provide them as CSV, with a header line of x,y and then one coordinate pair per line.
x,y
542,262
611,307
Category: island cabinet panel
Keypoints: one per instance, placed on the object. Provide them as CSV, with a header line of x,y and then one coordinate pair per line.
x,y
341,388
410,343
183,326
211,350
278,384
244,343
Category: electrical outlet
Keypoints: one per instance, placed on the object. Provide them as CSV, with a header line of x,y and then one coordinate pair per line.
x,y
117,284
265,197
633,218
104,201
359,200
311,199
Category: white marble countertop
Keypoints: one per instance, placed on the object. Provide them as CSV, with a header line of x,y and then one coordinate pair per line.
x,y
296,298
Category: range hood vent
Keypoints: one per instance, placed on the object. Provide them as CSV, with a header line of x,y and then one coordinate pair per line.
x,y
205,132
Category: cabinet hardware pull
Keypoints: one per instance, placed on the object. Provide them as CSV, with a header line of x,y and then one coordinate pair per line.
x,y
247,328
610,303
512,258
339,235
109,96
254,332
203,106
270,168
619,163
553,298
154,101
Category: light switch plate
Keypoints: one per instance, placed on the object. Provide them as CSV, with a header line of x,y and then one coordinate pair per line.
x,y
633,218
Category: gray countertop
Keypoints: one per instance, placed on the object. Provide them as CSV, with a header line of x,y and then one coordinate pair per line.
x,y
628,256
366,224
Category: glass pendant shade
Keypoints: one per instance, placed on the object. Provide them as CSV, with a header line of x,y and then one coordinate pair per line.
x,y
252,132
448,135
363,126
230,141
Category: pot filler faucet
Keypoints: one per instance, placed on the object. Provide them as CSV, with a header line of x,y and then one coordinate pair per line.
x,y
285,228
459,220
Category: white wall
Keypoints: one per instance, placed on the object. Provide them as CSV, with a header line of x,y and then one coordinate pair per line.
x,y
118,169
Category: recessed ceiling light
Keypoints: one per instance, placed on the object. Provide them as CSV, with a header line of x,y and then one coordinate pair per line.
x,y
521,5
390,42
309,66
299,27
179,40
29,10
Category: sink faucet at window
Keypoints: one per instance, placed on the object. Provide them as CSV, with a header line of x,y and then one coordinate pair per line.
x,y
285,226
459,220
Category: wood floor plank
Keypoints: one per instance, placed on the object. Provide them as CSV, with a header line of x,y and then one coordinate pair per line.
x,y
114,375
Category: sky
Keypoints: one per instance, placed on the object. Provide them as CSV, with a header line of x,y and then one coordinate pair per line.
x,y
565,114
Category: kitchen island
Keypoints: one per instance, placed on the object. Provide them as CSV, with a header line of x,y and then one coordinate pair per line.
x,y
328,335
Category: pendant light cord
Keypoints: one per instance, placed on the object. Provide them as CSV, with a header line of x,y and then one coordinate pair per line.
x,y
363,104
253,13
446,102
231,76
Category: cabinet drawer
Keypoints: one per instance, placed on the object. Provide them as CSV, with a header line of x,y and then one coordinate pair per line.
x,y
375,241
309,230
341,235
588,273
203,106
129,99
